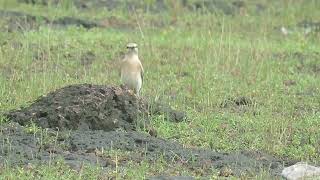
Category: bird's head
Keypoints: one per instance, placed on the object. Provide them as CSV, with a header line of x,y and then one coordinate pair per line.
x,y
132,48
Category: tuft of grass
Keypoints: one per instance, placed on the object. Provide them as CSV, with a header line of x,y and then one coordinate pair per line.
x,y
56,171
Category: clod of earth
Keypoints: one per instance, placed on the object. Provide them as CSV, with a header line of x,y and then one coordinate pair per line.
x,y
91,107
289,82
239,105
238,101
171,178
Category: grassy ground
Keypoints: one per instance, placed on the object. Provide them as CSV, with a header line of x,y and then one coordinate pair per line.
x,y
195,62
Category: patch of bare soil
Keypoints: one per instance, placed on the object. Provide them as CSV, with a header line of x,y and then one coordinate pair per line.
x,y
18,21
213,6
14,21
286,56
307,62
309,24
83,121
18,147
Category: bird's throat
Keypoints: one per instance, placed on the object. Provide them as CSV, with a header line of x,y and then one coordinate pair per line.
x,y
132,54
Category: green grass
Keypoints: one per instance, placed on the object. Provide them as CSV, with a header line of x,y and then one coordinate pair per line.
x,y
194,65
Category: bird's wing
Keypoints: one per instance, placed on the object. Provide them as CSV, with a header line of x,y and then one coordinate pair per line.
x,y
142,71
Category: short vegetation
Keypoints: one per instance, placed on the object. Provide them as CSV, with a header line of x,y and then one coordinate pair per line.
x,y
246,73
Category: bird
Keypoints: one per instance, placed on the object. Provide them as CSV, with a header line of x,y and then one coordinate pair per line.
x,y
131,69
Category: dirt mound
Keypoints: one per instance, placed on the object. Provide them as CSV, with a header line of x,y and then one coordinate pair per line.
x,y
90,119
20,146
93,120
90,107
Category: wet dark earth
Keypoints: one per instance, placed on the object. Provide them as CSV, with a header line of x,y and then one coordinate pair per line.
x,y
81,122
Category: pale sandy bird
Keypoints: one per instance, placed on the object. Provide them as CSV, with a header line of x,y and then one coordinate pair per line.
x,y
131,69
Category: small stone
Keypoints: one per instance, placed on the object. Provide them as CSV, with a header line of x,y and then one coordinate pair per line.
x,y
301,170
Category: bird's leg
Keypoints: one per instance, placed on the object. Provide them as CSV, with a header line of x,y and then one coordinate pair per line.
x,y
122,86
136,92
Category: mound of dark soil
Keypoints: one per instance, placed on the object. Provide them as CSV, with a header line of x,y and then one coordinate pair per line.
x,y
94,120
20,147
90,107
